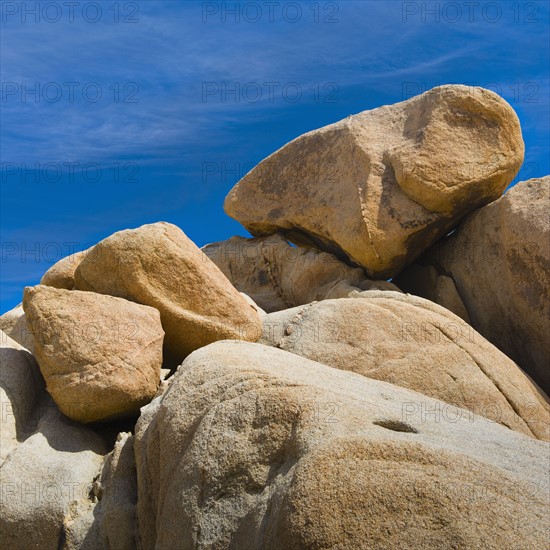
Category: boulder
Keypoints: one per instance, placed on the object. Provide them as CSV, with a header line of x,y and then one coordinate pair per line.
x,y
14,324
499,262
100,355
278,276
414,343
157,265
115,525
21,387
61,274
46,483
254,447
48,463
379,187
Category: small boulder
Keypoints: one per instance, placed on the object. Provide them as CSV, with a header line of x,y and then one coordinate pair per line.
x,y
157,265
100,355
61,274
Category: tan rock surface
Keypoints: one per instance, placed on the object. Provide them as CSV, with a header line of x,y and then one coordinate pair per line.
x,y
61,274
47,463
46,482
277,275
254,447
157,265
499,261
115,514
381,186
21,387
14,324
100,355
419,345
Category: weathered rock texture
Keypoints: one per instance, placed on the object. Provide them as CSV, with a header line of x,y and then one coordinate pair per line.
x,y
254,447
381,186
425,281
48,463
159,266
100,355
115,521
416,344
61,274
499,262
21,386
277,275
14,324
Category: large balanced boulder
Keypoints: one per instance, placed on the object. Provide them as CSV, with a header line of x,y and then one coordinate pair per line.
x,y
61,274
47,462
157,265
277,275
100,356
417,344
499,262
381,186
255,447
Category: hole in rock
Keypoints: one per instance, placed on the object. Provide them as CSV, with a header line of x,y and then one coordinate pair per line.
x,y
396,426
109,430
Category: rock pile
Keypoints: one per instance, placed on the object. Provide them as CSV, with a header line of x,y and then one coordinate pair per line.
x,y
379,187
315,404
278,276
499,262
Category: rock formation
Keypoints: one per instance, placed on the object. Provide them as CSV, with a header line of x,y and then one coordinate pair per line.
x,y
100,356
499,262
138,411
157,265
254,447
419,345
277,275
381,186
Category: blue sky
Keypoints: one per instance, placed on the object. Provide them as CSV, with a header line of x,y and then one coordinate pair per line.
x,y
126,114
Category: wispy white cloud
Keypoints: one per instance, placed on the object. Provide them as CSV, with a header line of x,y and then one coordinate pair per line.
x,y
370,54
170,55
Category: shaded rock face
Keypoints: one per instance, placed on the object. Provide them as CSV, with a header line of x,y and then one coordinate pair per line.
x,y
381,186
14,324
254,447
157,265
100,355
48,462
115,522
416,344
425,281
21,386
61,274
499,262
277,275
